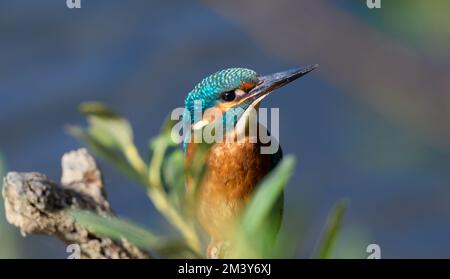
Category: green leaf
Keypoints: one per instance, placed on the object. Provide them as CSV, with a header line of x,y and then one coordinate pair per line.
x,y
165,136
110,133
167,130
267,195
113,131
260,221
2,167
197,168
195,171
331,231
158,147
11,247
119,229
97,109
107,126
173,174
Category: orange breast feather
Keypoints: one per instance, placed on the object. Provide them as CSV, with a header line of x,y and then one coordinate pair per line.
x,y
234,170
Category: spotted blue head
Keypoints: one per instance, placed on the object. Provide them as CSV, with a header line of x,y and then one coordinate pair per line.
x,y
221,90
234,91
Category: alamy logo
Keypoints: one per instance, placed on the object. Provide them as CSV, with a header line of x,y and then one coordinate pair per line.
x,y
234,126
74,251
373,4
374,251
73,4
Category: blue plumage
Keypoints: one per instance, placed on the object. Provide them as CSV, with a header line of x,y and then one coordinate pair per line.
x,y
209,89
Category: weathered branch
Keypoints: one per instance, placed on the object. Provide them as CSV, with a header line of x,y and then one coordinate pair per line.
x,y
37,205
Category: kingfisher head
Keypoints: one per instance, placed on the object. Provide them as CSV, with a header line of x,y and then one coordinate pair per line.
x,y
234,91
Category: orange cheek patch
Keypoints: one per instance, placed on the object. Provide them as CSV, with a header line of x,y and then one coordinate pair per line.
x,y
247,86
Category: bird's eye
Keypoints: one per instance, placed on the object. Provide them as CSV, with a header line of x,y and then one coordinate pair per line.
x,y
228,96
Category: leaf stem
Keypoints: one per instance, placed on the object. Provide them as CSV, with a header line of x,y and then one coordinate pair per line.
x,y
132,155
161,201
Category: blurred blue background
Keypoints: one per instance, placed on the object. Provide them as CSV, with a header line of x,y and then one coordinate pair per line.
x,y
370,125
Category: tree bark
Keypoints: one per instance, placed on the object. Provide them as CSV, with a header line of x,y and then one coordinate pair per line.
x,y
35,204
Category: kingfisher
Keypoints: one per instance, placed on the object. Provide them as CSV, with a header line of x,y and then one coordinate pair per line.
x,y
233,168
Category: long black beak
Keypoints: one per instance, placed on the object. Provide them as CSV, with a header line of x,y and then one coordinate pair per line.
x,y
271,82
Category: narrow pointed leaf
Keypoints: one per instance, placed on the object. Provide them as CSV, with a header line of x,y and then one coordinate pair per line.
x,y
259,224
267,195
110,128
119,229
331,231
